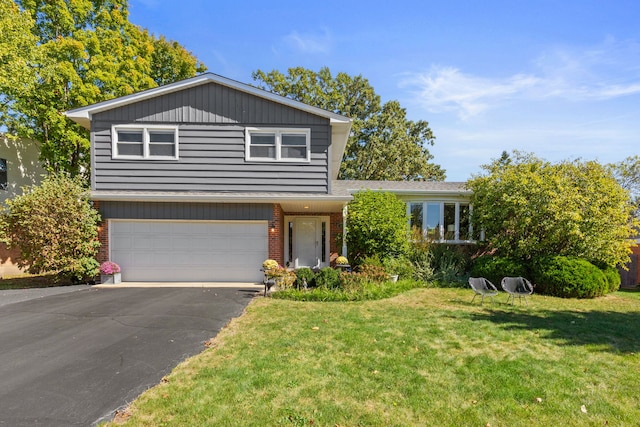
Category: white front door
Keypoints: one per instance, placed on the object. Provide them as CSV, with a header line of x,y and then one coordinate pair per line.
x,y
306,243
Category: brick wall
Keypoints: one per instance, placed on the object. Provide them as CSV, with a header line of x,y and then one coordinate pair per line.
x,y
276,235
103,237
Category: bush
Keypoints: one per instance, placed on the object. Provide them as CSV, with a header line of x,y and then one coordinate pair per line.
x,y
55,228
371,260
373,273
328,278
450,264
305,274
420,256
400,266
377,225
569,277
612,275
364,291
494,268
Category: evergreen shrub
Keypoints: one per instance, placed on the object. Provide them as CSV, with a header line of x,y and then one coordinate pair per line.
x,y
569,277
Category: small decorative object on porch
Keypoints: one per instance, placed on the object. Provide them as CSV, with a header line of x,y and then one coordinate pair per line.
x,y
343,263
269,264
110,273
342,260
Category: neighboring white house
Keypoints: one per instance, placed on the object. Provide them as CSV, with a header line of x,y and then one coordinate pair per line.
x,y
19,167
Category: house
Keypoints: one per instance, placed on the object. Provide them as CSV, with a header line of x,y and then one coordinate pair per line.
x,y
203,179
19,167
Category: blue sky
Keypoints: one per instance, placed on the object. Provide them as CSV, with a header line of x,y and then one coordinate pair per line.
x,y
559,78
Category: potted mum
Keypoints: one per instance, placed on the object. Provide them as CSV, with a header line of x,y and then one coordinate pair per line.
x,y
110,273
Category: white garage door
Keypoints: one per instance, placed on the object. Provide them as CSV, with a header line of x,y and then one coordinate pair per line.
x,y
189,251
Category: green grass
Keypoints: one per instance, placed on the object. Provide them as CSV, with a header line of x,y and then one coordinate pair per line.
x,y
426,357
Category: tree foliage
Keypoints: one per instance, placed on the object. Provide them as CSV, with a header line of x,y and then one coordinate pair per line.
x,y
531,208
55,228
383,145
376,226
75,53
627,173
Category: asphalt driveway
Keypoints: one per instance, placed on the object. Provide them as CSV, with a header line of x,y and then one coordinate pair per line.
x,y
75,358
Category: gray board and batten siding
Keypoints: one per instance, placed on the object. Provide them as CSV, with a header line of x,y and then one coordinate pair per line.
x,y
211,121
187,211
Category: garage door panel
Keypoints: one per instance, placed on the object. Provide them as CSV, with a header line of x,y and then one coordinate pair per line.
x,y
189,250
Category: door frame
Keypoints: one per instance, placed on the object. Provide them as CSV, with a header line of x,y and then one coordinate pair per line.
x,y
289,245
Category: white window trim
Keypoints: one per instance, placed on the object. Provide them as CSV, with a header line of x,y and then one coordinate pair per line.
x,y
441,230
145,142
278,148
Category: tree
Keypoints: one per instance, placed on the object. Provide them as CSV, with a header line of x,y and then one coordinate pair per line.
x,y
383,144
530,208
80,52
17,53
627,173
377,224
55,228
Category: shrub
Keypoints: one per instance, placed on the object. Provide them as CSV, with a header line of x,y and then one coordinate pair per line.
x,y
377,225
612,275
55,228
494,268
357,291
420,256
568,277
371,260
450,264
305,274
373,273
400,266
328,278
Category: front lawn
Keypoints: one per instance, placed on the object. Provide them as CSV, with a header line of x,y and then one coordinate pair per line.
x,y
426,357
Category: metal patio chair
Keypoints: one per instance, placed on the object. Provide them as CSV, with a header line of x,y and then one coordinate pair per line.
x,y
517,287
482,287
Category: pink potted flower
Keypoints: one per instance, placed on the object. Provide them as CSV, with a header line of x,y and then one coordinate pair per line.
x,y
110,273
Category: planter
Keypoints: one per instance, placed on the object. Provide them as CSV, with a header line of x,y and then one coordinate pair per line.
x,y
394,278
110,279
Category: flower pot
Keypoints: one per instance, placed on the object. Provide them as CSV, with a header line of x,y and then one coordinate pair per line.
x,y
394,278
110,279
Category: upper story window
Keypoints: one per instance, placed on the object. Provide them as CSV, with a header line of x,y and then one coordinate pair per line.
x,y
442,221
4,181
283,145
145,142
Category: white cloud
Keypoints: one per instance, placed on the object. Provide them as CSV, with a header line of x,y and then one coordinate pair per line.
x,y
603,72
309,43
448,89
